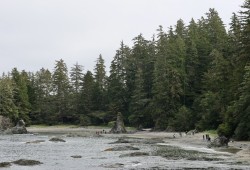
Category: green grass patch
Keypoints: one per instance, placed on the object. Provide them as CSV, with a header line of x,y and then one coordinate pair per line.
x,y
212,133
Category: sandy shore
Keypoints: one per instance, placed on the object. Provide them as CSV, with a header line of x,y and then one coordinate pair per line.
x,y
239,151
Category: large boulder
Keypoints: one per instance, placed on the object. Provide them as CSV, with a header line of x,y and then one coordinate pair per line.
x,y
19,128
119,125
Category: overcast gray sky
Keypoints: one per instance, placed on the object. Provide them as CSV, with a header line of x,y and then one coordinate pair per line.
x,y
35,33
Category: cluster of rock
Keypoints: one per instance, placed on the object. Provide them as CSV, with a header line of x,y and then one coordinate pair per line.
x,y
7,127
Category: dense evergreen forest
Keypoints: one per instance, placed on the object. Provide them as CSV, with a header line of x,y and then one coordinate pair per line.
x,y
191,76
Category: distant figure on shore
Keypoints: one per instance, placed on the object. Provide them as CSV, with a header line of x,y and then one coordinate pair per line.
x,y
173,135
180,134
203,137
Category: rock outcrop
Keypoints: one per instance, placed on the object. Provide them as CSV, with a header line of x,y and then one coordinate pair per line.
x,y
119,125
6,126
55,139
122,148
19,128
219,142
5,164
26,162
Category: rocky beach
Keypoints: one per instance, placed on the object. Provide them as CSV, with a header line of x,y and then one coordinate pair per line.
x,y
64,147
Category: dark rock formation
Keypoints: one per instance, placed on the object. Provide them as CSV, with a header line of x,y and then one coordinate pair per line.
x,y
5,164
122,148
25,162
134,154
76,156
57,140
119,125
19,128
34,142
219,142
6,126
113,166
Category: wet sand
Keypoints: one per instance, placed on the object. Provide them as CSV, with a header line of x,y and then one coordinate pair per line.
x,y
239,151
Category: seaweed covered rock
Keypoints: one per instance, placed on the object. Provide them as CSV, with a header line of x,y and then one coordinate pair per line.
x,y
134,154
5,164
119,125
122,148
26,162
55,139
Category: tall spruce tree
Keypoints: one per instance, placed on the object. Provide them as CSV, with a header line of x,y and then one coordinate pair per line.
x,y
100,84
76,77
117,82
61,88
21,94
44,106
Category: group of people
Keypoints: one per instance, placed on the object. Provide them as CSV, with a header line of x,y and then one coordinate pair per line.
x,y
101,132
206,137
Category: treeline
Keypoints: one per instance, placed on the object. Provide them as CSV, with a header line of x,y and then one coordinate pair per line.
x,y
192,76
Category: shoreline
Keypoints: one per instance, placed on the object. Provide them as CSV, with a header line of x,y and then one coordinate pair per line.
x,y
187,142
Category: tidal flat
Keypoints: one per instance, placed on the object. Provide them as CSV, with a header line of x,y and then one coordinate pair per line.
x,y
83,149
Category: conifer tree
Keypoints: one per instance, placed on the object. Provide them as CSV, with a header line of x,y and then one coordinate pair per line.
x,y
117,81
87,93
21,94
61,87
76,77
7,101
44,106
100,84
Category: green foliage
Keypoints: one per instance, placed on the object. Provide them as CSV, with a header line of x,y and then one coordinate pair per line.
x,y
224,129
20,92
183,119
111,124
84,120
87,93
7,101
100,86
